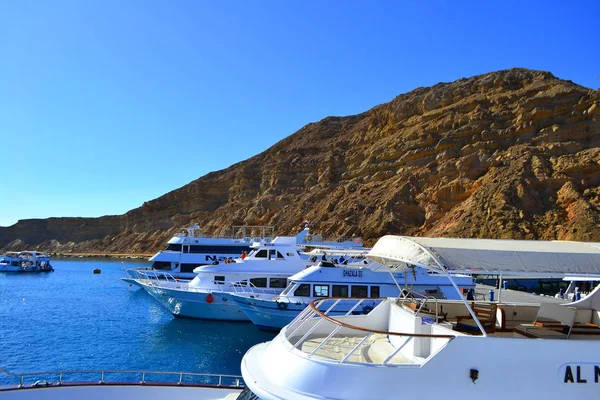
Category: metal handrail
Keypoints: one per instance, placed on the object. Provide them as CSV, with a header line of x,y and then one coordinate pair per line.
x,y
349,326
237,380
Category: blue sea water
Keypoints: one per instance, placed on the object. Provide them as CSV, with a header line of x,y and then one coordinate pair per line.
x,y
72,319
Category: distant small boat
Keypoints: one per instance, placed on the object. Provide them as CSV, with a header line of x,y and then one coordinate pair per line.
x,y
25,261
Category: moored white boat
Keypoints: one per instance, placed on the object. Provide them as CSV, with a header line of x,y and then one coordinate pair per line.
x,y
25,261
477,350
190,249
265,270
326,280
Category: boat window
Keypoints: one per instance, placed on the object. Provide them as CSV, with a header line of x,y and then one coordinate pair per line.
x,y
186,249
161,265
339,291
359,291
321,290
262,254
219,280
278,283
280,256
289,254
303,290
243,283
188,267
375,291
174,247
258,282
288,289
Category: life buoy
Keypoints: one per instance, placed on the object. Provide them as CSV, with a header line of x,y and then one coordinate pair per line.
x,y
209,298
282,306
367,309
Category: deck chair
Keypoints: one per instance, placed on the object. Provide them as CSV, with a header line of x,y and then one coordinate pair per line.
x,y
485,313
554,312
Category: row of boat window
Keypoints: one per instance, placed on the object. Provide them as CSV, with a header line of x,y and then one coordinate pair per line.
x,y
278,283
206,249
318,290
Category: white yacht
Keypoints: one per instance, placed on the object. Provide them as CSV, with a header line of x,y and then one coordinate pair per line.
x,y
408,346
190,249
265,270
270,312
25,261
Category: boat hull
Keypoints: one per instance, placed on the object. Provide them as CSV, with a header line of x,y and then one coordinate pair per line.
x,y
199,303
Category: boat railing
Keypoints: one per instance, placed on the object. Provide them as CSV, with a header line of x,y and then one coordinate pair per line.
x,y
155,277
314,330
419,300
137,377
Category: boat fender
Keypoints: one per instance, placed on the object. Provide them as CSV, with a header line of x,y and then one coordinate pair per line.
x,y
209,298
367,309
281,305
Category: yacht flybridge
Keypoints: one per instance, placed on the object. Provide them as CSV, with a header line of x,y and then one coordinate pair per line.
x,y
417,345
190,249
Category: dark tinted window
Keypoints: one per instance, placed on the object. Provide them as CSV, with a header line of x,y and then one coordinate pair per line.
x,y
262,254
321,290
174,247
278,282
161,265
339,291
280,256
359,291
374,291
188,267
219,280
303,290
258,282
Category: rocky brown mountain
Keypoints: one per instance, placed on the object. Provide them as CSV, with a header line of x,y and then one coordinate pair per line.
x,y
509,154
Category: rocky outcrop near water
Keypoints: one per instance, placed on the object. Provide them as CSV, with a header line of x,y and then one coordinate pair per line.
x,y
509,154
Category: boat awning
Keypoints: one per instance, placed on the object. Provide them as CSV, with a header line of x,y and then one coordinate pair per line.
x,y
489,256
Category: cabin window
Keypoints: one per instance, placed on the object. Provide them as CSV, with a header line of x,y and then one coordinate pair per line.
x,y
262,254
161,265
219,280
258,282
174,247
243,283
321,290
375,291
280,256
303,290
289,254
360,291
188,267
186,249
339,291
279,283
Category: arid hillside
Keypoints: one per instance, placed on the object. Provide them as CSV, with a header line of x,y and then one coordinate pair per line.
x,y
509,154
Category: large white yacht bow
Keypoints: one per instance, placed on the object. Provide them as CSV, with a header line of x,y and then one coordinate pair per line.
x,y
410,346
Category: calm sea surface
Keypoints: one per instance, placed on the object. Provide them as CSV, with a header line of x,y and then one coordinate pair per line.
x,y
71,319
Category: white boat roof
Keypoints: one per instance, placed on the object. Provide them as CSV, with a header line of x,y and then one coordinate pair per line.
x,y
489,256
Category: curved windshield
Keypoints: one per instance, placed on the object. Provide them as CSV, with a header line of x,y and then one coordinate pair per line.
x,y
288,289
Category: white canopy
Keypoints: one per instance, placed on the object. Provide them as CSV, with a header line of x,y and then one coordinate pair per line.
x,y
489,256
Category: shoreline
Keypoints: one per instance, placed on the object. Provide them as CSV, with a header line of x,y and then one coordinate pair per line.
x,y
130,256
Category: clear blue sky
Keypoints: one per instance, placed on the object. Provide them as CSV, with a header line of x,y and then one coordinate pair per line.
x,y
107,104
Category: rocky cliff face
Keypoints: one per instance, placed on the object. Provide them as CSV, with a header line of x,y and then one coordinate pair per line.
x,y
509,154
